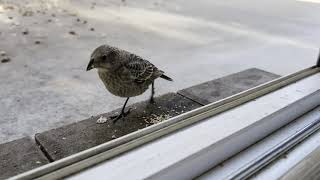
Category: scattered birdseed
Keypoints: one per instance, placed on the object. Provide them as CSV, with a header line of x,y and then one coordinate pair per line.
x,y
72,32
10,17
38,162
9,7
3,53
91,29
78,20
156,119
37,42
73,14
5,60
27,13
84,22
25,32
49,20
102,120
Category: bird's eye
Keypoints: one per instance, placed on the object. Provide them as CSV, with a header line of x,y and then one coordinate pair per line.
x,y
104,57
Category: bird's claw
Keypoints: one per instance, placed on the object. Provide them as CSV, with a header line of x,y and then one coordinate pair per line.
x,y
152,101
122,115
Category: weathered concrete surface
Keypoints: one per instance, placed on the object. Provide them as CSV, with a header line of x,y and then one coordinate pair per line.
x,y
62,142
19,156
45,85
221,88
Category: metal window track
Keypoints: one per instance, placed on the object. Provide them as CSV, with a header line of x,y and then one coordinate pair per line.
x,y
254,166
95,155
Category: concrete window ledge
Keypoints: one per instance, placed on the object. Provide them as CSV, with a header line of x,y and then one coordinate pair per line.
x,y
67,140
19,156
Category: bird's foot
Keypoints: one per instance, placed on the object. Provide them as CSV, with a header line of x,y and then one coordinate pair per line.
x,y
151,101
122,115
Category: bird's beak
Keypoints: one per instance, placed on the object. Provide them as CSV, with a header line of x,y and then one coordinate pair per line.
x,y
90,65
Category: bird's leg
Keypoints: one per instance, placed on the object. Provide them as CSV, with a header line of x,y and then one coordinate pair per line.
x,y
152,93
122,114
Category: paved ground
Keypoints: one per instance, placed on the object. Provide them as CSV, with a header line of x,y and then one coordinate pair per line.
x,y
45,85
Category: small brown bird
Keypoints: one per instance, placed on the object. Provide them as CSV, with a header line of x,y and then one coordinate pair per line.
x,y
124,74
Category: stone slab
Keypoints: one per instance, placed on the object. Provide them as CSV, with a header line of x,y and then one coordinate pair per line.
x,y
67,140
221,88
19,156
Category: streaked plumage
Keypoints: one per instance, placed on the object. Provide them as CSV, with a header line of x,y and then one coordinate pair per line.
x,y
124,74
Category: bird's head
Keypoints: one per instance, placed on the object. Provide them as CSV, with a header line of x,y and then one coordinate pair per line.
x,y
104,57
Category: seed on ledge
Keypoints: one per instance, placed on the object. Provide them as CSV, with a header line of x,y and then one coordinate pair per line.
x,y
72,32
27,13
3,53
91,29
5,60
37,42
9,7
25,32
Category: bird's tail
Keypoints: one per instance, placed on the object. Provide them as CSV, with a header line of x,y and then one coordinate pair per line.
x,y
166,77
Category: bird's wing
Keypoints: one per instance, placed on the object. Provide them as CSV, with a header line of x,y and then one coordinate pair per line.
x,y
141,70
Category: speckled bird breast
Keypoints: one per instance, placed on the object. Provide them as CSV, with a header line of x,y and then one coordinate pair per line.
x,y
122,86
